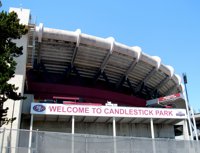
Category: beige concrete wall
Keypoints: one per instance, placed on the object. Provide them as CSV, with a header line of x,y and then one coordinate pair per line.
x,y
18,80
20,72
132,130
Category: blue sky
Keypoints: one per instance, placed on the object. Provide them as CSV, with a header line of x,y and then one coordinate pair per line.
x,y
169,29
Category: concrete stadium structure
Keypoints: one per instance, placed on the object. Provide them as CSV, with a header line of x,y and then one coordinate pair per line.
x,y
60,63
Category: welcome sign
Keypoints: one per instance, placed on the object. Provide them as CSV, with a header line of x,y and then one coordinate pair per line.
x,y
106,111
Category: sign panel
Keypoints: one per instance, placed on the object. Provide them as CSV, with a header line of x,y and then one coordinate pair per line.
x,y
172,97
106,111
165,100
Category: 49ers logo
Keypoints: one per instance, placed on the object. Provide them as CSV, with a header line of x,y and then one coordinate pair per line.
x,y
39,108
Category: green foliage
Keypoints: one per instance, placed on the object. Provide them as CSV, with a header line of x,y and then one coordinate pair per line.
x,y
10,29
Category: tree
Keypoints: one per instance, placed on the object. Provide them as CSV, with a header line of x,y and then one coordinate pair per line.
x,y
10,29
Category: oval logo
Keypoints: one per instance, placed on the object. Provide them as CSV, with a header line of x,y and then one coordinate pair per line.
x,y
180,114
39,108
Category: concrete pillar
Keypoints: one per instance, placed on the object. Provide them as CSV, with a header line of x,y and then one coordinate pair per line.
x,y
19,79
185,130
20,72
152,129
114,135
73,126
195,126
153,136
114,127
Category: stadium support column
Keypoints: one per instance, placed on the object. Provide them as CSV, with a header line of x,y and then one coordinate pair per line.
x,y
114,134
114,127
185,130
20,72
152,136
152,129
19,77
194,122
73,122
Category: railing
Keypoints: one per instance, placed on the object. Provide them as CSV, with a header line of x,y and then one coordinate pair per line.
x,y
18,141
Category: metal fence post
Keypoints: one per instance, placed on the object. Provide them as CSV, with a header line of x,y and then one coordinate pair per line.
x,y
36,142
30,135
86,144
2,139
194,126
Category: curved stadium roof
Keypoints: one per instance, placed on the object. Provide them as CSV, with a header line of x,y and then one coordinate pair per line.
x,y
102,59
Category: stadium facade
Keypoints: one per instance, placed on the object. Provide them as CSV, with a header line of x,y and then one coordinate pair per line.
x,y
81,84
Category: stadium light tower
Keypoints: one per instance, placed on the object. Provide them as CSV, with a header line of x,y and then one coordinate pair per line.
x,y
187,105
189,109
185,82
194,121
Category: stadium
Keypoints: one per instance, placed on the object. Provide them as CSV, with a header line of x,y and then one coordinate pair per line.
x,y
91,94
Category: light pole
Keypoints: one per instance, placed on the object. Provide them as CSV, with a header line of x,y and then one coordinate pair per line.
x,y
187,106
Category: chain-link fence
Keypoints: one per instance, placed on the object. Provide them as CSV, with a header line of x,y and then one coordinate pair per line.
x,y
53,142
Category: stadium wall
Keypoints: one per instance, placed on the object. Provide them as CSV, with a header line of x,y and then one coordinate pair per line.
x,y
40,90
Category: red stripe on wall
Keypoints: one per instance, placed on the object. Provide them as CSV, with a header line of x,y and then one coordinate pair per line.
x,y
47,91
